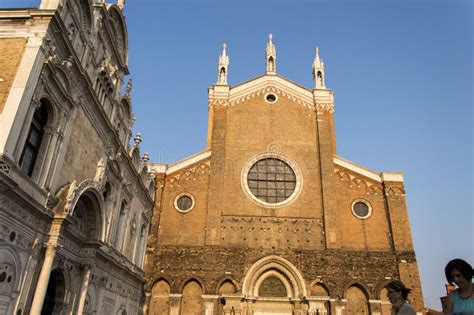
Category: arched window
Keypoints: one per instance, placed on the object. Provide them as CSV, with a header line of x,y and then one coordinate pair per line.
x,y
33,141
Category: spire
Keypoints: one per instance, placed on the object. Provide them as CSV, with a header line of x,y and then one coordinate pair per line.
x,y
270,59
318,71
223,66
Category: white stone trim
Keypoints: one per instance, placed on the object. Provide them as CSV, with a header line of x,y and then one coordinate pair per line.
x,y
158,168
357,168
365,202
270,83
392,177
277,155
188,161
272,263
181,195
318,298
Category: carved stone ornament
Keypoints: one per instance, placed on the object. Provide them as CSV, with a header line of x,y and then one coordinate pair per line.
x,y
4,168
358,182
323,107
128,89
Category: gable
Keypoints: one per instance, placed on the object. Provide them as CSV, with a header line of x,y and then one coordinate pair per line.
x,y
274,84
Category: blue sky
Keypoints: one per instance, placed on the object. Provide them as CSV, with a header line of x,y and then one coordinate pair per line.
x,y
401,71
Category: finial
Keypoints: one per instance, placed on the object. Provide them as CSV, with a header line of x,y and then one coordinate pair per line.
x,y
146,157
224,53
318,71
223,66
138,139
270,59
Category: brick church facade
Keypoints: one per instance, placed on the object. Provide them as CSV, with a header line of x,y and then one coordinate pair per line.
x,y
269,219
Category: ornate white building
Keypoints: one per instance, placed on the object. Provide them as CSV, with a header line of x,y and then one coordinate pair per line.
x,y
75,197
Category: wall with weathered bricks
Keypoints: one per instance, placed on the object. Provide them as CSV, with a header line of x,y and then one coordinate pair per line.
x,y
11,50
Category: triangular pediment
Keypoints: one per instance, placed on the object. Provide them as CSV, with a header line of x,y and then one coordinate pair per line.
x,y
270,83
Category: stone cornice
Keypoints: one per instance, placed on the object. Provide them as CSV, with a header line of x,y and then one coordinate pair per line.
x,y
188,161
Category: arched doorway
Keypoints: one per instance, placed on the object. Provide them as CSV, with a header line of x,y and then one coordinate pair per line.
x,y
54,300
273,285
86,216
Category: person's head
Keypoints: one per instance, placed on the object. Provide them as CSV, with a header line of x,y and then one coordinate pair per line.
x,y
458,271
396,291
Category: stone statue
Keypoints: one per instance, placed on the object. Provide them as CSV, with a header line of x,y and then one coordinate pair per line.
x,y
128,89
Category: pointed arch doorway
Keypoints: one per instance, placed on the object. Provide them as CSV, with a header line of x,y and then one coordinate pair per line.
x,y
273,285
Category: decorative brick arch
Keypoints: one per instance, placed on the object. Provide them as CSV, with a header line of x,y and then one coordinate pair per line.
x,y
274,266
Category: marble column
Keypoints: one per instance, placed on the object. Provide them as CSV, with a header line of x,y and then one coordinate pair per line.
x,y
86,273
43,279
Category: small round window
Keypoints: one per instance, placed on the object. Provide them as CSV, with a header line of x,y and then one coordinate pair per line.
x,y
270,98
184,202
361,209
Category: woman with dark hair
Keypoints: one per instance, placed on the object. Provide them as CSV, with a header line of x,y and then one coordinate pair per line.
x,y
397,293
461,300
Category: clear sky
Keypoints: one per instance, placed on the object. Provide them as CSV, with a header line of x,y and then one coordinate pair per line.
x,y
402,72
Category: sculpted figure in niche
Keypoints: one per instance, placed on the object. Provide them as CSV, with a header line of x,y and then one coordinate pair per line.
x,y
320,79
128,89
71,32
222,75
270,64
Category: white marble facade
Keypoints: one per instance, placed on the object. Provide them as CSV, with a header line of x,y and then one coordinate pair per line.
x,y
75,198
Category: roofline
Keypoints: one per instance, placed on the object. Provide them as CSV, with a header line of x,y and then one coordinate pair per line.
x,y
161,168
377,176
19,13
270,75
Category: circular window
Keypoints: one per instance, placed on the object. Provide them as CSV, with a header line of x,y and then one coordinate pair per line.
x,y
270,98
271,180
184,202
361,209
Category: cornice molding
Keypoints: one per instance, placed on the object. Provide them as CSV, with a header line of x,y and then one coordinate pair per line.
x,y
188,161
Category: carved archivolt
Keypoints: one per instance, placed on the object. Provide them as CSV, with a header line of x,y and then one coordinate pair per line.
x,y
274,266
354,181
192,173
